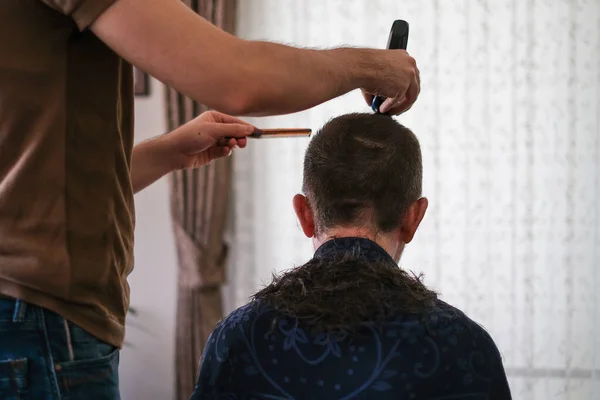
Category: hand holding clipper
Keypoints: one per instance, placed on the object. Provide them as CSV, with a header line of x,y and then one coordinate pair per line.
x,y
398,40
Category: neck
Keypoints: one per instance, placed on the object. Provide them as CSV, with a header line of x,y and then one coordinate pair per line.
x,y
387,241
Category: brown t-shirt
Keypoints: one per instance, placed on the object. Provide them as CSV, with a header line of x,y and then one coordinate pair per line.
x,y
66,137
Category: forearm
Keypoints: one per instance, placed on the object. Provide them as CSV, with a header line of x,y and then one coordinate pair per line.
x,y
278,79
148,163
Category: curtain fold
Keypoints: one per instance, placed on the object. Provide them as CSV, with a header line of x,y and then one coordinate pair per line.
x,y
199,208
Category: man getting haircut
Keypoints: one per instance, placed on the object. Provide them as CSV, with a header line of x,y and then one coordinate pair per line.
x,y
351,324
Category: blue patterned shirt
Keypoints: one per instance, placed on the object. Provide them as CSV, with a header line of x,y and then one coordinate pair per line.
x,y
444,356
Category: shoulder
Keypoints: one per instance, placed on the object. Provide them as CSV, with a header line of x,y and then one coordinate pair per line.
x,y
449,321
239,319
230,336
466,340
230,357
235,326
241,315
444,325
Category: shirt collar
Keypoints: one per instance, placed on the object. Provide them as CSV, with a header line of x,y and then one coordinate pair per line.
x,y
359,246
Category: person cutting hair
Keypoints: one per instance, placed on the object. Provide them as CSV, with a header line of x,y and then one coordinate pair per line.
x,y
69,169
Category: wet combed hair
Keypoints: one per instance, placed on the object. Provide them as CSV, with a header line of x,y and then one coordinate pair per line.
x,y
359,170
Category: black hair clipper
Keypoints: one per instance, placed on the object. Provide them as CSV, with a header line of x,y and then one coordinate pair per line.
x,y
398,40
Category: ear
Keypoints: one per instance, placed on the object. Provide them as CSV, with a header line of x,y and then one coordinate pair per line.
x,y
412,219
305,215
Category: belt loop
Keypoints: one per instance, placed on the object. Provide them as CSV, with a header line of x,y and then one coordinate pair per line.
x,y
19,313
69,341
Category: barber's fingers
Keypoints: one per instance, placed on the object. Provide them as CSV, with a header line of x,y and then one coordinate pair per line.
x,y
368,97
388,105
242,142
412,93
411,96
197,137
232,142
226,130
220,152
215,116
403,102
395,106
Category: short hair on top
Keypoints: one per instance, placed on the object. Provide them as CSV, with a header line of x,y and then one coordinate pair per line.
x,y
362,170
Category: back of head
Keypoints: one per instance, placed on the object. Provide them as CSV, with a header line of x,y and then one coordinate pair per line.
x,y
362,169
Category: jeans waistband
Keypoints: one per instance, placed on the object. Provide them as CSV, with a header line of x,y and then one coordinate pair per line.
x,y
17,308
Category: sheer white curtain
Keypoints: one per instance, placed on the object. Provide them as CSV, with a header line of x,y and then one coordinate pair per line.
x,y
509,121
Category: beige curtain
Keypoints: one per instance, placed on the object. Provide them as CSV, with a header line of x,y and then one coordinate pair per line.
x,y
199,200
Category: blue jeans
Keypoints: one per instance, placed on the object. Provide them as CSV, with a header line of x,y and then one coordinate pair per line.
x,y
45,357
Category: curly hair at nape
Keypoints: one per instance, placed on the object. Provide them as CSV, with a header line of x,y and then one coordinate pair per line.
x,y
340,295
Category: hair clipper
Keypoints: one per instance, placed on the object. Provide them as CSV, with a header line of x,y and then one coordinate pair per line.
x,y
398,40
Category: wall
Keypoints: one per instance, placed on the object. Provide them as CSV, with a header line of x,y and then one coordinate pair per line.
x,y
147,366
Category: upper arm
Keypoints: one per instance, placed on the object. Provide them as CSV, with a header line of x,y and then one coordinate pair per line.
x,y
169,41
500,389
209,369
228,363
218,371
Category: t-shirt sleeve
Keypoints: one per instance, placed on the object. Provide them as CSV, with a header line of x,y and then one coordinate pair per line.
x,y
83,12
